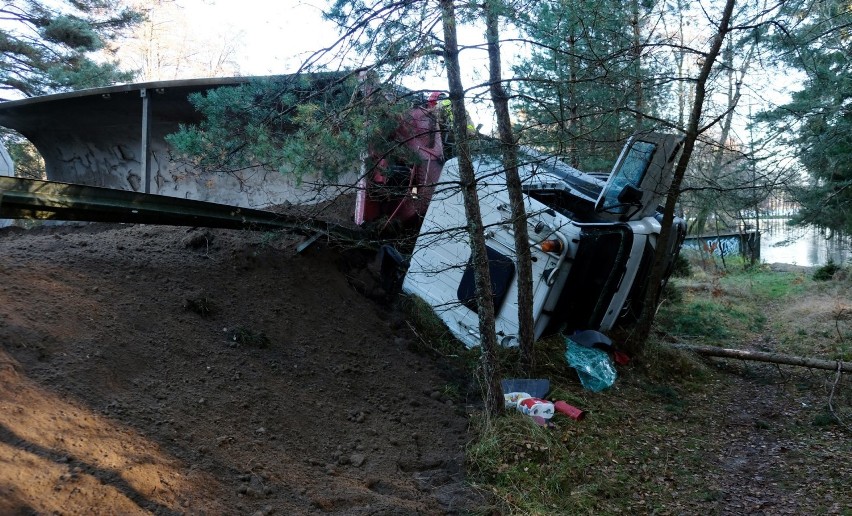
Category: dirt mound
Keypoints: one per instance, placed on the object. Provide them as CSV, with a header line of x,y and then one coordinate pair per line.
x,y
166,370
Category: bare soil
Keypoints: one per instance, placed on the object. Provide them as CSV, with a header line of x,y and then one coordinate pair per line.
x,y
149,369
162,370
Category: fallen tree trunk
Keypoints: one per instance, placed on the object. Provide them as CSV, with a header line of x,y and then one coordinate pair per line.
x,y
761,356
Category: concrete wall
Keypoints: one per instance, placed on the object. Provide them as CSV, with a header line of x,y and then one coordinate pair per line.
x,y
7,168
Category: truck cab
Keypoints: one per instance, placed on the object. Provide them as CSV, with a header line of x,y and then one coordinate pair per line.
x,y
592,241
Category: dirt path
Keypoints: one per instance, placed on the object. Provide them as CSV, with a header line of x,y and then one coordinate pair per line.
x,y
774,456
154,369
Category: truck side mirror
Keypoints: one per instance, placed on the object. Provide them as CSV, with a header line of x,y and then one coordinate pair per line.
x,y
630,195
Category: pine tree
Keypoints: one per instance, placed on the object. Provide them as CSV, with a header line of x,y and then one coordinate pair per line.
x,y
585,86
297,124
814,37
47,47
509,147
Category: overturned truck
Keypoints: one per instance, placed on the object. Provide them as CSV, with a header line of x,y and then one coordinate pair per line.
x,y
593,241
593,236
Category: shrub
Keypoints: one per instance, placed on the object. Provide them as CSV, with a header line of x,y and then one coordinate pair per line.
x,y
827,271
681,268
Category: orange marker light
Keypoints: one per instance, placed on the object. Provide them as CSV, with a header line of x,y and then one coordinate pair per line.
x,y
551,246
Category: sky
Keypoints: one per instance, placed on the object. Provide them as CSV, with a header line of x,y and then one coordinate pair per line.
x,y
276,35
291,30
275,38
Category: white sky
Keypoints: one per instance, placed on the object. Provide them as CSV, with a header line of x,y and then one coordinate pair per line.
x,y
278,37
275,37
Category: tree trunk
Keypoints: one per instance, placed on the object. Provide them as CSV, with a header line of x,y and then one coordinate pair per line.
x,y
679,58
572,131
637,341
636,55
526,330
485,302
735,82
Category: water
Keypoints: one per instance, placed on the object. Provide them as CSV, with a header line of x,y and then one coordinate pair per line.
x,y
780,243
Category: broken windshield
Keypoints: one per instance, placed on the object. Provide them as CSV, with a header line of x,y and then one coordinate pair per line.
x,y
631,171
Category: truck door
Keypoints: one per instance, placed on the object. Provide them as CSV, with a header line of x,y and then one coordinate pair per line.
x,y
640,178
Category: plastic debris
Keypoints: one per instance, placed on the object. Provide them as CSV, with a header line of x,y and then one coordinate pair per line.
x,y
594,367
512,398
569,410
620,358
536,407
535,387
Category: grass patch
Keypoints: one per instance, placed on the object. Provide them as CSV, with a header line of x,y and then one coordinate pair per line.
x,y
433,335
824,419
718,308
666,436
698,317
672,399
764,285
661,363
635,453
524,462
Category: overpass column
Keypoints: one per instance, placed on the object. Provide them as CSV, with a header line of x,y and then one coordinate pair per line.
x,y
146,139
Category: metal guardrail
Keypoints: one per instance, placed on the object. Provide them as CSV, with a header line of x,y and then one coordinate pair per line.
x,y
22,198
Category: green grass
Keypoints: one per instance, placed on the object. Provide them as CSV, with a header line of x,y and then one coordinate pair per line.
x,y
633,453
715,309
763,285
655,442
637,451
710,320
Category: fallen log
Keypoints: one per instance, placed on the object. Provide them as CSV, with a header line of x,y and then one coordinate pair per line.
x,y
762,356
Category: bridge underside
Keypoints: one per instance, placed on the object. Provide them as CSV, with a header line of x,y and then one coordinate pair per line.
x,y
115,138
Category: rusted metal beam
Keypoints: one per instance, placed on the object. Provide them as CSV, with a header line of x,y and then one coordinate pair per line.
x,y
50,200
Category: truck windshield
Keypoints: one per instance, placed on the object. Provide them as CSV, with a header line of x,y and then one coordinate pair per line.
x,y
631,171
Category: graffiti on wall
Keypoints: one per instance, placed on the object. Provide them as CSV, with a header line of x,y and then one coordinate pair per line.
x,y
744,244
